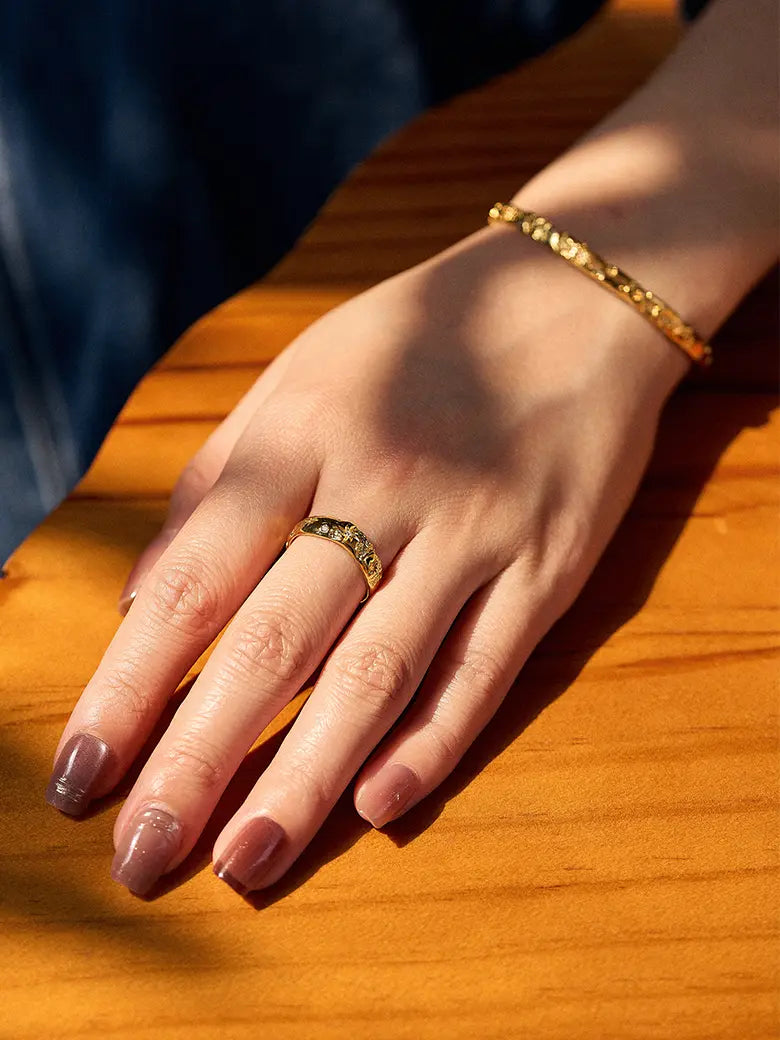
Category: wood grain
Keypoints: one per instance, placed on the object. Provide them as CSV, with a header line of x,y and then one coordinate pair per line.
x,y
603,862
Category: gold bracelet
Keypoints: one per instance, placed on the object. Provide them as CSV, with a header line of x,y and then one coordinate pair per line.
x,y
580,255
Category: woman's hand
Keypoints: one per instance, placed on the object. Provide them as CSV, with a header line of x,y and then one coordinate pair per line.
x,y
484,418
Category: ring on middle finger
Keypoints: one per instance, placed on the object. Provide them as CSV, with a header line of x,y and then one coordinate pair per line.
x,y
349,537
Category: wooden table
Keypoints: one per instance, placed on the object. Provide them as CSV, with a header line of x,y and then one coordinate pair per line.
x,y
602,864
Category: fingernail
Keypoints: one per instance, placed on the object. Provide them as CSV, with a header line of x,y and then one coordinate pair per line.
x,y
148,845
126,601
251,856
389,794
79,770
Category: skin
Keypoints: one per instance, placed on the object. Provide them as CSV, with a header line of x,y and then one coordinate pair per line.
x,y
484,418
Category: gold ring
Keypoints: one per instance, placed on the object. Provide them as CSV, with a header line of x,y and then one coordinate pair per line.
x,y
349,537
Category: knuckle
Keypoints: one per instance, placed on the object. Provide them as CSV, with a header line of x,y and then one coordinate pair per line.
x,y
193,756
124,692
445,743
478,669
481,547
272,643
316,793
290,412
184,595
194,481
374,671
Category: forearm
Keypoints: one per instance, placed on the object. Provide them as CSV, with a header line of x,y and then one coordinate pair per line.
x,y
679,185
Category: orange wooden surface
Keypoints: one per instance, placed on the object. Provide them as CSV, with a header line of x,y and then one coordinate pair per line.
x,y
603,862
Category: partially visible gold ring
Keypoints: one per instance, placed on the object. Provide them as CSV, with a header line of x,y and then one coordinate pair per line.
x,y
349,537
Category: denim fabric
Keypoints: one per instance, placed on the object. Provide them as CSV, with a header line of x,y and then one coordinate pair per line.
x,y
156,156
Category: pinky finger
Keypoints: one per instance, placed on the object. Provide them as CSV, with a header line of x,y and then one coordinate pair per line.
x,y
468,680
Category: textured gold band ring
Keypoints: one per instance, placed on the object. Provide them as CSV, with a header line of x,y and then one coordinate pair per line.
x,y
349,537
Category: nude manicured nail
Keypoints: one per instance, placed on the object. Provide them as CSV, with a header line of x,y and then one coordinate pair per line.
x,y
252,855
389,794
79,770
149,843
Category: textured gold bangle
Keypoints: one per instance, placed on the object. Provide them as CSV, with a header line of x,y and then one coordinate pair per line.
x,y
580,255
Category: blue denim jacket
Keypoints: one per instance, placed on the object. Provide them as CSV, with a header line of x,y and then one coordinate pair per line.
x,y
131,181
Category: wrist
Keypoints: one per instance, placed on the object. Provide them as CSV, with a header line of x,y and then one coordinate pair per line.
x,y
607,275
527,305
678,186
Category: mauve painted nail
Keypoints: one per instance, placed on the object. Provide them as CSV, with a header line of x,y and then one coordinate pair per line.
x,y
250,858
149,843
80,767
392,791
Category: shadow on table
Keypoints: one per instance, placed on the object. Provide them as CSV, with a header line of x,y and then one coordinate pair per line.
x,y
33,890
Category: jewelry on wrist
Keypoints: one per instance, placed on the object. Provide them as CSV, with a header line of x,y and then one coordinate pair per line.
x,y
580,255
